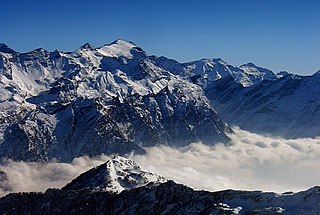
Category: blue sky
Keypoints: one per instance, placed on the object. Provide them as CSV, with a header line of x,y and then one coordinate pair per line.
x,y
277,34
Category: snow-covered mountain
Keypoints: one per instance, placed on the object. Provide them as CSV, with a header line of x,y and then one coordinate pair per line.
x,y
112,99
147,193
117,99
254,98
114,176
254,75
288,106
204,72
207,71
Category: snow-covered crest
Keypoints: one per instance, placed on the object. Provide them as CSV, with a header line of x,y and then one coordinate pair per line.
x,y
114,176
119,48
72,101
66,105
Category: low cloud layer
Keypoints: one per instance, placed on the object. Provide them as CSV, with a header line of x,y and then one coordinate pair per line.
x,y
251,162
31,176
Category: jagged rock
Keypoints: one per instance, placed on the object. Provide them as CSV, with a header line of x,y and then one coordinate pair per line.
x,y
114,176
113,100
119,186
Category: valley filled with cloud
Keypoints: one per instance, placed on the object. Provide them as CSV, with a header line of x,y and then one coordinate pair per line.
x,y
250,162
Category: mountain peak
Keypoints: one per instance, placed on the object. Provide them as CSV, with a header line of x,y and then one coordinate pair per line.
x,y
250,64
118,48
123,42
6,49
87,46
206,61
217,59
114,176
282,74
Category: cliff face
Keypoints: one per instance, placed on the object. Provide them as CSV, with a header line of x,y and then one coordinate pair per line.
x,y
114,99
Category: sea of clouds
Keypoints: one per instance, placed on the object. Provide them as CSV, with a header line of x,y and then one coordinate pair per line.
x,y
250,162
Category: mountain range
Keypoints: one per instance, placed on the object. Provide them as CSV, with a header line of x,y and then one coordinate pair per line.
x,y
117,99
112,99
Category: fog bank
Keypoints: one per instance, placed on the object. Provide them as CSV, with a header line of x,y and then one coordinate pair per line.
x,y
251,162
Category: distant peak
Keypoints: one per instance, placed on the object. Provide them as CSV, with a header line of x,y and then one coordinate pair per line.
x,y
39,51
3,46
250,64
6,49
217,59
121,159
87,46
208,60
114,176
118,48
55,54
123,41
282,73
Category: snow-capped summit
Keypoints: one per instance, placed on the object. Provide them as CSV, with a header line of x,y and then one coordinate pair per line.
x,y
207,71
257,74
87,46
114,100
212,69
118,48
123,42
204,72
114,176
282,74
251,68
287,106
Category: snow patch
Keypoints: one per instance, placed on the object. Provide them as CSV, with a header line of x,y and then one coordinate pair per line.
x,y
119,48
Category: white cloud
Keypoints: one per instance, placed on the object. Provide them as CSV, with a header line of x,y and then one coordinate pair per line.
x,y
32,176
251,162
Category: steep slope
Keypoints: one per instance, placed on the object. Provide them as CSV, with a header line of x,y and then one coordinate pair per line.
x,y
147,193
288,106
207,71
255,74
116,99
112,99
114,176
254,98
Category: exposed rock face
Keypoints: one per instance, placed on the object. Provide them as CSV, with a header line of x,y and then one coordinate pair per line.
x,y
116,99
254,98
114,176
288,106
112,99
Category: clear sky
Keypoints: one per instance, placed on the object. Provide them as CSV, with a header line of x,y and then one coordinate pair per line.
x,y
277,34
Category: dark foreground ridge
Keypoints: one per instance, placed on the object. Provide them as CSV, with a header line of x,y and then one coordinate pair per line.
x,y
166,198
120,186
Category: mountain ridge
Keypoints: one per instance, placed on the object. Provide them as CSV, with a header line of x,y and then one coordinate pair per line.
x,y
112,99
88,45
118,99
114,176
153,197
